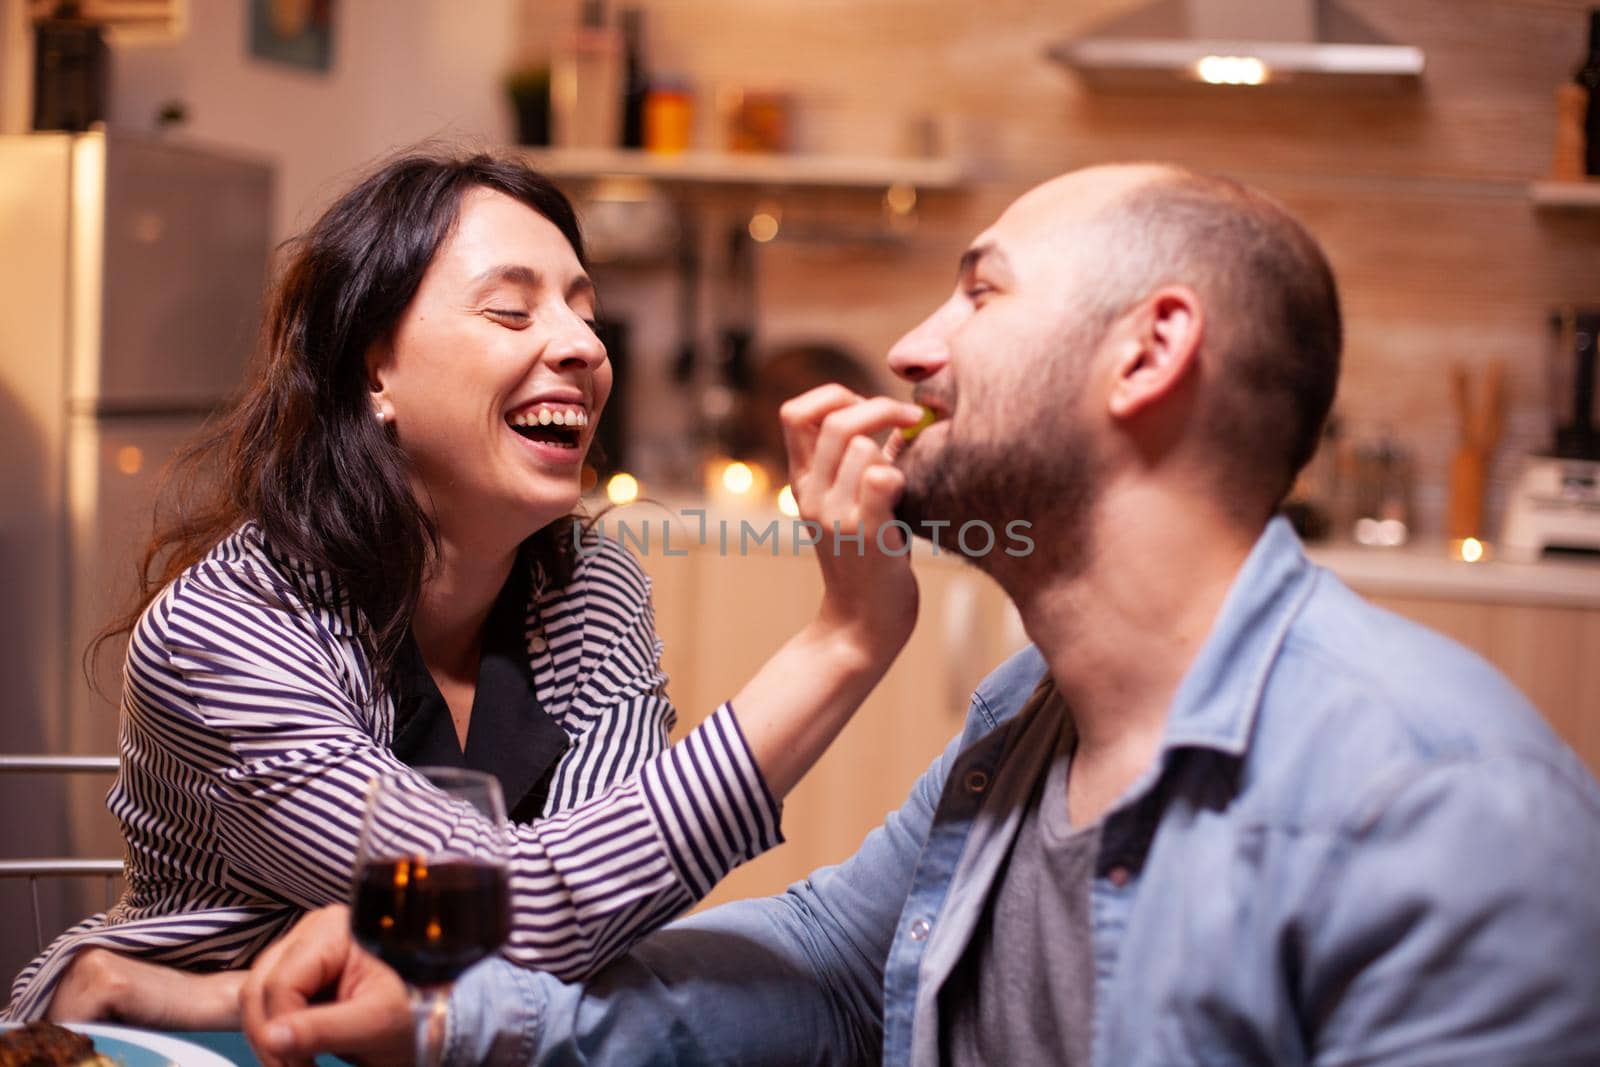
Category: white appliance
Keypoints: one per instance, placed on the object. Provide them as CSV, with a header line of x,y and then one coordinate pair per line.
x,y
132,270
1555,505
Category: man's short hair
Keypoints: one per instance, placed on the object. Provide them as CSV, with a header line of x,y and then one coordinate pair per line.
x,y
1272,314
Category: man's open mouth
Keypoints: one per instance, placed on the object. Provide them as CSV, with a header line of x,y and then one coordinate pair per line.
x,y
561,425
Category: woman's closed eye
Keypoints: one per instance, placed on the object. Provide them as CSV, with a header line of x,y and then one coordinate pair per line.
x,y
509,316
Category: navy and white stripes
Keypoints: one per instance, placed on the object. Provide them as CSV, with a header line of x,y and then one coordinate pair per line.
x,y
249,736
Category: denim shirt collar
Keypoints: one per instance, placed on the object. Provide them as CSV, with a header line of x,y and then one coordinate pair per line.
x,y
1217,701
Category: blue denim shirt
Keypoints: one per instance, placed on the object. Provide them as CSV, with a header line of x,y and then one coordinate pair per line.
x,y
1359,845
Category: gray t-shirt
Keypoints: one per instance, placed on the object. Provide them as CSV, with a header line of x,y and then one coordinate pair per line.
x,y
1023,993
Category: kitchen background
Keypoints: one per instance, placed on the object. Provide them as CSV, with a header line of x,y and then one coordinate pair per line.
x,y
1421,196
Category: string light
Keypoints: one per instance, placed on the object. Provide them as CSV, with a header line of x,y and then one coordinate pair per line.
x,y
622,488
787,503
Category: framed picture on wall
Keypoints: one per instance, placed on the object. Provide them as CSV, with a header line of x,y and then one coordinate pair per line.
x,y
295,32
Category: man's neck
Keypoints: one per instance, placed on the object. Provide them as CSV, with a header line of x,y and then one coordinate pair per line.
x,y
1120,632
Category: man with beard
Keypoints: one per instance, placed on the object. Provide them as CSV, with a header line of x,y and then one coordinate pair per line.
x,y
1222,811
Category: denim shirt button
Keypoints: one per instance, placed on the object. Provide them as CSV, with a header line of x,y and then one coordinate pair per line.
x,y
920,929
977,782
1118,876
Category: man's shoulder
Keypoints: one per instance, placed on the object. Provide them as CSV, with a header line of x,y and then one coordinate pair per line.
x,y
1360,695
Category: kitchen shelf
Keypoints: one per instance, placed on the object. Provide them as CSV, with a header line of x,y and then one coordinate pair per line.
x,y
745,169
1566,194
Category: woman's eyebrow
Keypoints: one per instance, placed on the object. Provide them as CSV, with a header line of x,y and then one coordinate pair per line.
x,y
517,274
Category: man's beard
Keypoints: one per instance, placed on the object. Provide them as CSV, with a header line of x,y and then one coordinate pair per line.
x,y
1046,476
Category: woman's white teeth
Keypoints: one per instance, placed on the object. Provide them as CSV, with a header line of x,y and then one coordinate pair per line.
x,y
571,417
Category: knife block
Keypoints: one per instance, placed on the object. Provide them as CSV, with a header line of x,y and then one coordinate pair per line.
x,y
1481,414
1469,476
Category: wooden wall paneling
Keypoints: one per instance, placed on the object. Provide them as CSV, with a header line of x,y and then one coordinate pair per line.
x,y
963,632
1586,693
675,593
1541,649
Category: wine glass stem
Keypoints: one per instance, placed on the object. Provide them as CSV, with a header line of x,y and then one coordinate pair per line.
x,y
429,1006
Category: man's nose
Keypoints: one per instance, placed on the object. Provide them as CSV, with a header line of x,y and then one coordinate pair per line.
x,y
924,351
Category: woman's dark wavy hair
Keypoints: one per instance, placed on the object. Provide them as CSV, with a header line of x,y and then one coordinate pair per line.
x,y
300,451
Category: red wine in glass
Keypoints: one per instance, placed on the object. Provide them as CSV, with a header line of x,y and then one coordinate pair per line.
x,y
431,895
431,921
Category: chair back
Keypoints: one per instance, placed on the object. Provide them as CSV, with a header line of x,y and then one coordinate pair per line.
x,y
35,868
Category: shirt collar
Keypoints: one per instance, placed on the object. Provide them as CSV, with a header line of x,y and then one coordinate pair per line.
x,y
1217,701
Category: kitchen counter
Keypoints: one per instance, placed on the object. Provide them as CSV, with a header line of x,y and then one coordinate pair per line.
x,y
1426,569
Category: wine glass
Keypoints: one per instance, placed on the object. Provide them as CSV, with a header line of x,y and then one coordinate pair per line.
x,y
431,904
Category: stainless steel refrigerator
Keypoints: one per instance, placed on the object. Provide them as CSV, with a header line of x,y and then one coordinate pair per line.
x,y
132,271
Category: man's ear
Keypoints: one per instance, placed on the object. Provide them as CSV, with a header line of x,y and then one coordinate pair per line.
x,y
1154,348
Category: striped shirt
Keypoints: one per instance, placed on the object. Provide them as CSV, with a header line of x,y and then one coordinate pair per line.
x,y
249,734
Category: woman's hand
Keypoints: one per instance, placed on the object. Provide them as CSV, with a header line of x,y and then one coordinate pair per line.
x,y
369,1020
846,483
100,984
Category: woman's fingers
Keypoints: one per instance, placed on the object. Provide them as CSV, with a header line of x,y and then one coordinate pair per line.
x,y
801,416
828,439
882,483
844,495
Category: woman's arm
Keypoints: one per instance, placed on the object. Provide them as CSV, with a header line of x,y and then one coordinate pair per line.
x,y
100,984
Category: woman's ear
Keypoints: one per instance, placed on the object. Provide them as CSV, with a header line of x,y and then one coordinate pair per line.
x,y
1154,348
378,361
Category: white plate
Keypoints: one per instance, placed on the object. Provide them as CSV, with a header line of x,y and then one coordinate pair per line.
x,y
144,1048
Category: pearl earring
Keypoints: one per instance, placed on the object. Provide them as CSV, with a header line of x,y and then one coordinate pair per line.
x,y
382,418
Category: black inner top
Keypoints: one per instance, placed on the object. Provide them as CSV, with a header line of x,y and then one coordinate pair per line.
x,y
510,736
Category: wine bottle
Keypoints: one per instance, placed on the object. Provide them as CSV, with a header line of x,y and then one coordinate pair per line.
x,y
635,82
1588,76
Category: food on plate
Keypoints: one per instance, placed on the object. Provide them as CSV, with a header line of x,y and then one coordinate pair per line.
x,y
42,1044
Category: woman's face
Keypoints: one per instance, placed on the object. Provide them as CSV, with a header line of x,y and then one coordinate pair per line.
x,y
493,379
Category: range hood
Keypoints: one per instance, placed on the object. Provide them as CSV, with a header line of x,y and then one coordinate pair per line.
x,y
1302,43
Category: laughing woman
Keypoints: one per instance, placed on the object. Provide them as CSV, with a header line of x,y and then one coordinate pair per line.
x,y
386,575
